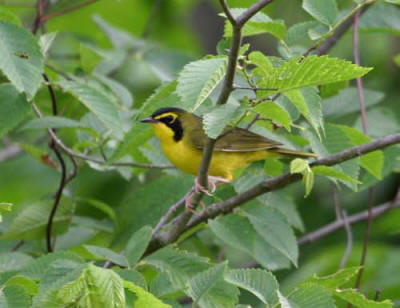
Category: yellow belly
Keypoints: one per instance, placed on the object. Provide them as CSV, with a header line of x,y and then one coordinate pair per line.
x,y
223,164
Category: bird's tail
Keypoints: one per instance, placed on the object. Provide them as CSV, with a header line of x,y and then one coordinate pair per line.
x,y
293,153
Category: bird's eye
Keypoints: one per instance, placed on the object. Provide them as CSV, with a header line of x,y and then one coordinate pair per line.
x,y
169,119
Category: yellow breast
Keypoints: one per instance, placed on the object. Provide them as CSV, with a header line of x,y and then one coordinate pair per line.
x,y
186,157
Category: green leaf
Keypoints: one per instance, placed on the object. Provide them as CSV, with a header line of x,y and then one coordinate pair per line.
x,y
198,79
133,276
144,298
21,59
335,280
13,108
179,265
381,18
237,231
215,121
204,281
96,287
90,59
257,281
359,300
107,254
4,207
10,17
299,32
308,180
334,173
11,261
37,268
299,165
119,90
97,102
46,41
306,72
52,122
103,207
344,103
285,302
274,229
257,24
137,245
274,112
312,296
31,222
372,162
324,11
14,297
26,283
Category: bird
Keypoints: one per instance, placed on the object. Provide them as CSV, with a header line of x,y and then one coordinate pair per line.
x,y
182,139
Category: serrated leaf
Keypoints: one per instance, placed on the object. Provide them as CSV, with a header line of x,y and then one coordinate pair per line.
x,y
179,265
257,24
204,281
257,281
359,300
103,207
306,72
133,276
274,229
97,102
308,180
13,108
312,296
215,121
144,298
14,297
274,112
21,59
31,223
334,173
324,11
285,302
198,79
107,254
52,122
137,244
238,232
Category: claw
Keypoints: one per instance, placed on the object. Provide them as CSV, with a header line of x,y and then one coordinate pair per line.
x,y
198,187
188,203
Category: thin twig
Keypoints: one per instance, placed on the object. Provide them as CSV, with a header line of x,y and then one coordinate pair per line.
x,y
69,151
272,184
329,228
18,245
66,11
150,20
171,211
371,191
14,3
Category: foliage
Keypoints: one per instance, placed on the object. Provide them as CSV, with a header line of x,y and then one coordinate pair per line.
x,y
73,88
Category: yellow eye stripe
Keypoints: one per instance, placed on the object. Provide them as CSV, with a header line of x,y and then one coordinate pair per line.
x,y
164,115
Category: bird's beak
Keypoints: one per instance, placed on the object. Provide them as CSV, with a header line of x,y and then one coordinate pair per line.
x,y
148,120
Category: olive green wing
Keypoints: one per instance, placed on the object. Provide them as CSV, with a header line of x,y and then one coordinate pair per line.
x,y
234,140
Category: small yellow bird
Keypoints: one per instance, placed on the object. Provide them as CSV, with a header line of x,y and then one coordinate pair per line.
x,y
182,140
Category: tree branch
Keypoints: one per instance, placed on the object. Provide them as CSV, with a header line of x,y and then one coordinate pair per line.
x,y
44,19
332,227
272,184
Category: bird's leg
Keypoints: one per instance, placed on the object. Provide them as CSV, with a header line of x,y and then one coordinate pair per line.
x,y
198,187
188,203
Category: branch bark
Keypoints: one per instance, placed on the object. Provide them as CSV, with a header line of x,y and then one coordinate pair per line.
x,y
268,185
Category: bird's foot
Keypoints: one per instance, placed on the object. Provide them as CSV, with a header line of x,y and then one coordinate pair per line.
x,y
198,187
188,203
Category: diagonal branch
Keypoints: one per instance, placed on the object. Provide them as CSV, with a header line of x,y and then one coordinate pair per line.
x,y
272,184
45,18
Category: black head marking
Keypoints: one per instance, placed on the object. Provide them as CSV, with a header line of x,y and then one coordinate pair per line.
x,y
172,122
